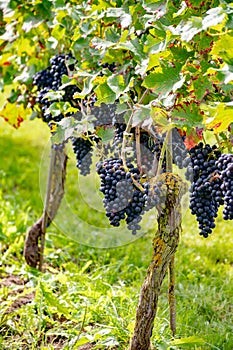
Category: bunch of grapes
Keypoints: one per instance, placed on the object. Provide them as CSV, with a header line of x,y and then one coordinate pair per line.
x,y
180,153
123,199
83,149
51,79
225,165
206,195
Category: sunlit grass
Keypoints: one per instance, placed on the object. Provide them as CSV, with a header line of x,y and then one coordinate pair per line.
x,y
90,294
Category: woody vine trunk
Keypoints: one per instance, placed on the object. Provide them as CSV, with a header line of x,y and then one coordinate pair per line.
x,y
34,243
164,246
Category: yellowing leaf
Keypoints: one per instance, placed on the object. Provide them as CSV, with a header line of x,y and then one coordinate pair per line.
x,y
155,59
220,117
58,32
160,118
15,114
223,48
24,46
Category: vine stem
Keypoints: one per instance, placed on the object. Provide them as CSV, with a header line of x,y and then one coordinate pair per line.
x,y
218,140
126,132
163,151
138,148
168,147
171,294
46,208
143,95
172,223
165,244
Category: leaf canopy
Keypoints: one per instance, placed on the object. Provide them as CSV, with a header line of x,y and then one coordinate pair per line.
x,y
174,54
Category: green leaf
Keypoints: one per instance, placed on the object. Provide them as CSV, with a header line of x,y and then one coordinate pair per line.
x,y
121,108
124,17
191,28
155,59
64,130
53,301
117,84
104,94
88,84
52,43
156,43
201,85
100,44
140,114
83,340
106,134
188,114
164,82
190,341
159,116
58,32
155,5
54,95
134,46
55,108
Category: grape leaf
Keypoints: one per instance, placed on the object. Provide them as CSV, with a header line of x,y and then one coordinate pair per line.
x,y
106,134
164,82
187,114
14,114
104,94
188,30
222,48
117,84
220,116
140,114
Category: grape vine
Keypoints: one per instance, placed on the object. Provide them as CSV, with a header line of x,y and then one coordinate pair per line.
x,y
125,177
157,67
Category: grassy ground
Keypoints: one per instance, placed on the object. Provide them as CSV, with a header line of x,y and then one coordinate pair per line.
x,y
87,296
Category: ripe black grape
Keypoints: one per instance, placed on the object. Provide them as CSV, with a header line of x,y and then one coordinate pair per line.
x,y
123,199
206,194
51,79
83,151
225,165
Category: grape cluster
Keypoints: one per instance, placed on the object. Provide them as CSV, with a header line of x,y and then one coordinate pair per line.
x,y
83,151
51,79
119,134
123,199
180,153
225,165
43,79
206,195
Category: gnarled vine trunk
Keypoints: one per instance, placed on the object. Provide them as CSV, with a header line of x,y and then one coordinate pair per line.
x,y
164,247
34,243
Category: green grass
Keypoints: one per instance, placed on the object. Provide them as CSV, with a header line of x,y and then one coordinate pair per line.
x,y
88,294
